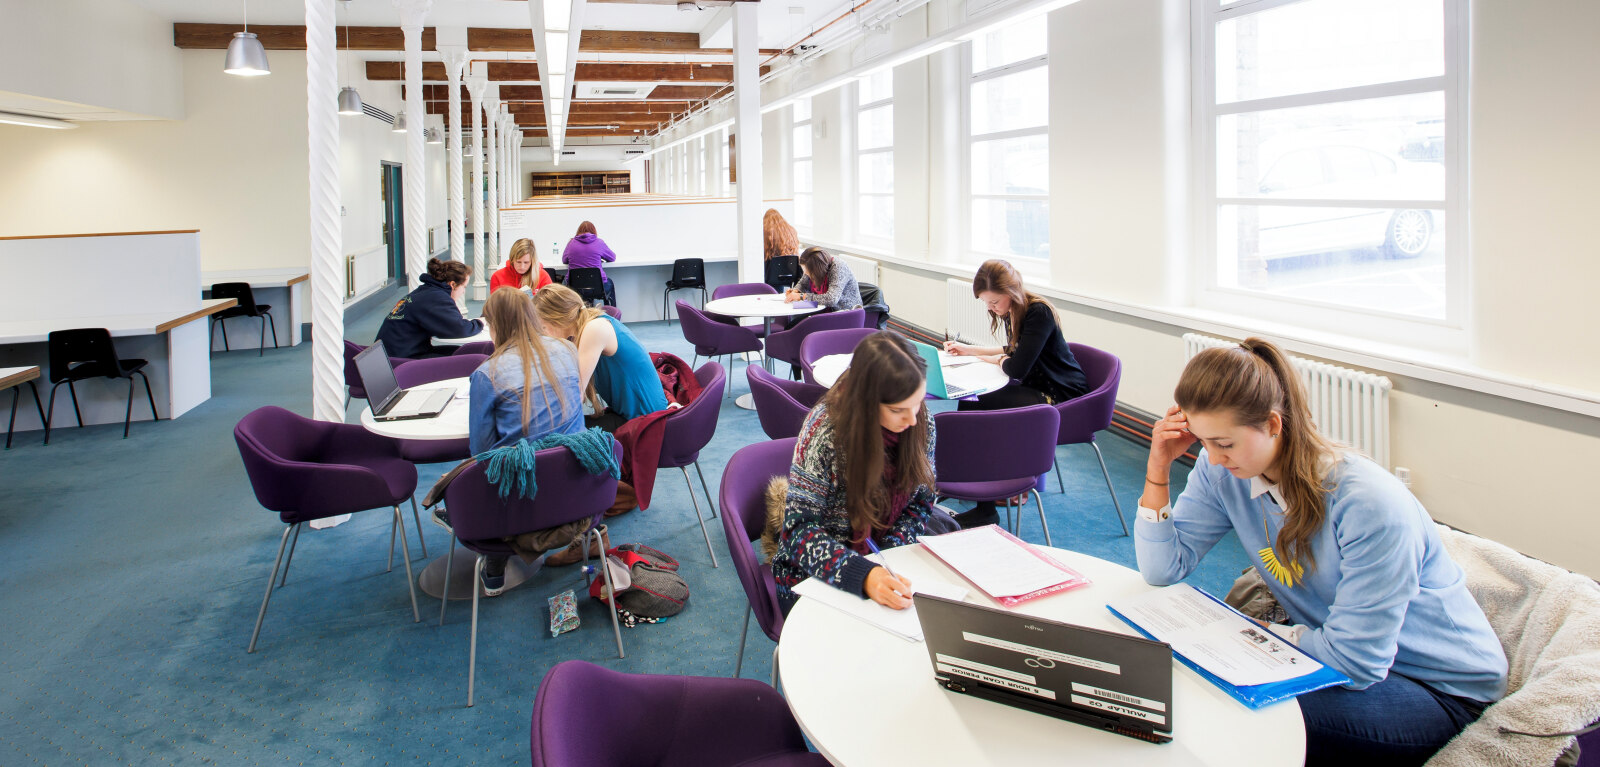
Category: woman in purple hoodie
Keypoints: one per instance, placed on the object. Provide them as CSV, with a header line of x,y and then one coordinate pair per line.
x,y
587,251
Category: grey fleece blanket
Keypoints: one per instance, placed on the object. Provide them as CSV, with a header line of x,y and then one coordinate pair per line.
x,y
1548,621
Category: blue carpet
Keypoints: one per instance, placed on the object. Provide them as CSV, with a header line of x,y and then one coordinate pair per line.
x,y
129,645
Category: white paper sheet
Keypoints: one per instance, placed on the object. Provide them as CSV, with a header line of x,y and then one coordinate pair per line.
x,y
1222,641
995,563
901,623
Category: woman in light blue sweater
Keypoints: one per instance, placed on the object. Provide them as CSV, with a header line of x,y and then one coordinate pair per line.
x,y
1349,553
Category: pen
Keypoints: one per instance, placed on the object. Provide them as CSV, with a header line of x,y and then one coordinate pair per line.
x,y
871,544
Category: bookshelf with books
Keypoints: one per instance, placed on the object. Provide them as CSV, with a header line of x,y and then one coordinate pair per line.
x,y
548,183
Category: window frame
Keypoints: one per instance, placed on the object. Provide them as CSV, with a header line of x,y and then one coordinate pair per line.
x,y
1208,292
803,226
969,253
857,154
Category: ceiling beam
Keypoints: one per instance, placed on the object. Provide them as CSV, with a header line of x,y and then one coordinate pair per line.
x,y
528,71
292,37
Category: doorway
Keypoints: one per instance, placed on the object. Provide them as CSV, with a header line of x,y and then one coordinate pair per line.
x,y
393,221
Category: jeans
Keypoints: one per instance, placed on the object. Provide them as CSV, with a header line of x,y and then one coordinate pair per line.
x,y
1394,723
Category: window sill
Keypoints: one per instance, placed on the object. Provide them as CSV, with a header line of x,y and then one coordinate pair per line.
x,y
1436,367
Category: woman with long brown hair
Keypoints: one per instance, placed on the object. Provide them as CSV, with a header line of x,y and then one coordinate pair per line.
x,y
862,476
1036,353
778,238
1350,555
611,361
827,281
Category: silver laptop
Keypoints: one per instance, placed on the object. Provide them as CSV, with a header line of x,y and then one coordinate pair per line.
x,y
389,401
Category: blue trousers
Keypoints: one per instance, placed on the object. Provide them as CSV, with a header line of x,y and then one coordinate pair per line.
x,y
1394,723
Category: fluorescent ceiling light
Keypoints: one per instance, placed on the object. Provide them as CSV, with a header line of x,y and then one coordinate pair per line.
x,y
557,106
557,14
10,118
558,86
555,52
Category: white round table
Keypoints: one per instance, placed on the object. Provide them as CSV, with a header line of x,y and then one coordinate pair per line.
x,y
483,335
866,697
449,424
763,305
979,376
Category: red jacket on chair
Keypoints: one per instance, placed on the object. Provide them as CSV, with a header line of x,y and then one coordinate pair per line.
x,y
641,437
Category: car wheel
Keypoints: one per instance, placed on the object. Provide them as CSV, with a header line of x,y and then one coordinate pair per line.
x,y
1410,231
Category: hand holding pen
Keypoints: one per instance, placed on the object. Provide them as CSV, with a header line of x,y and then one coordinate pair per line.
x,y
884,586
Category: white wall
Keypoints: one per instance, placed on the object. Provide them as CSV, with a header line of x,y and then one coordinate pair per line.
x,y
103,53
235,168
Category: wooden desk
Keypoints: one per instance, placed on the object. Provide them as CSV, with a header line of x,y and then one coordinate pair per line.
x,y
282,288
173,342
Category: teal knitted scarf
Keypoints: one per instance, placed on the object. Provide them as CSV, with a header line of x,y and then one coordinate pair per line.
x,y
512,467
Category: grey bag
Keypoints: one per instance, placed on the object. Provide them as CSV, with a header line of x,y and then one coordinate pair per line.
x,y
652,587
1251,596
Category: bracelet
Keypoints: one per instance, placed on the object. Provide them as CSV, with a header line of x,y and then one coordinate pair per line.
x,y
1150,481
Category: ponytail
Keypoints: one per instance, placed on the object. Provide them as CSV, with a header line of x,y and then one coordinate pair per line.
x,y
1252,381
448,271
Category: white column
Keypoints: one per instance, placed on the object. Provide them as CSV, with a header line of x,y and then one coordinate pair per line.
x,y
327,231
491,111
413,15
747,130
455,59
480,149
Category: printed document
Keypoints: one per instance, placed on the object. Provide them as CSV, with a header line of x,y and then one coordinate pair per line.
x,y
902,623
1209,633
997,563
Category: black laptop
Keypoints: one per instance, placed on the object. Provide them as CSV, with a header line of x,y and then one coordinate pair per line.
x,y
1099,679
389,401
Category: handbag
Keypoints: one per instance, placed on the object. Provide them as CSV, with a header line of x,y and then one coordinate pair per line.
x,y
646,581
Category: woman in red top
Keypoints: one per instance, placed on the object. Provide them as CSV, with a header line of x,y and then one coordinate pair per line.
x,y
522,270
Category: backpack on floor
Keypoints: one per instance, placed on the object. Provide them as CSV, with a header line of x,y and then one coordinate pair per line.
x,y
647,582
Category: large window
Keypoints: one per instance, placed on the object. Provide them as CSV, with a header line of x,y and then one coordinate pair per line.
x,y
874,136
723,186
1325,170
1008,149
800,151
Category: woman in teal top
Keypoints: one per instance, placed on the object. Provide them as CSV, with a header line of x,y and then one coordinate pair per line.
x,y
611,361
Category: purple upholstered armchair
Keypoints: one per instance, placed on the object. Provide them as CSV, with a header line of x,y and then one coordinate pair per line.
x,y
993,455
1082,416
480,519
829,342
744,517
785,345
485,348
715,339
589,716
689,429
307,470
782,405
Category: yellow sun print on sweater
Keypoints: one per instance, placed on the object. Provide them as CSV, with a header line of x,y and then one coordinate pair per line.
x,y
1288,574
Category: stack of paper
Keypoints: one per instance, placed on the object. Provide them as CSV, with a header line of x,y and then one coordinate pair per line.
x,y
901,623
1001,565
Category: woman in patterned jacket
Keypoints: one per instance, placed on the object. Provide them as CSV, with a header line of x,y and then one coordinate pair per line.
x,y
863,470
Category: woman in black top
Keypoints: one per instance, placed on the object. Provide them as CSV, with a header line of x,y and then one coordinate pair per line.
x,y
1036,357
429,312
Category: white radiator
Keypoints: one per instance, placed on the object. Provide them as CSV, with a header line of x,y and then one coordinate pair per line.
x,y
864,270
366,271
966,317
1348,405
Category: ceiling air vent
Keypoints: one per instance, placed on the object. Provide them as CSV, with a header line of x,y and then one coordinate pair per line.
x,y
614,91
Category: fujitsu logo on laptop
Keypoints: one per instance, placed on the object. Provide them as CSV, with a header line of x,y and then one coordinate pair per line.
x,y
1031,627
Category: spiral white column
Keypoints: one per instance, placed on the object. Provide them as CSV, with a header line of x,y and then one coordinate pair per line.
x,y
491,110
455,59
327,231
413,14
480,149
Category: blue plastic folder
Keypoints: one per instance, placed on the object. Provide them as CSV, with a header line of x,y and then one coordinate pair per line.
x,y
1254,696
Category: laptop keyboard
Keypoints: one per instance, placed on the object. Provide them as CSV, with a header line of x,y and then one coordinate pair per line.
x,y
957,392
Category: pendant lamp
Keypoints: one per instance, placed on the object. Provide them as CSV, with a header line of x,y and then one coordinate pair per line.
x,y
400,122
246,57
349,99
432,136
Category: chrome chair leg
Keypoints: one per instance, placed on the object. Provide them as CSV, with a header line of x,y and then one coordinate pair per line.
x,y
273,576
698,517
449,569
290,560
393,525
472,651
744,633
411,580
605,571
709,501
1062,486
774,680
414,518
1114,502
1037,501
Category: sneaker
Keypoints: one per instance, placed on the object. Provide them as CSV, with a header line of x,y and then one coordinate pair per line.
x,y
573,553
441,517
493,583
984,514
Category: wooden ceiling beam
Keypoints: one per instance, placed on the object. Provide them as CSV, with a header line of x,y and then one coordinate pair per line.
x,y
528,71
292,37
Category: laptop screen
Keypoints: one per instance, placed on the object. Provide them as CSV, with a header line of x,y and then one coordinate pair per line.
x,y
936,384
377,375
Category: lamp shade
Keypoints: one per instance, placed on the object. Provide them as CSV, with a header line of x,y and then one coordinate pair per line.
x,y
349,101
246,57
432,136
400,122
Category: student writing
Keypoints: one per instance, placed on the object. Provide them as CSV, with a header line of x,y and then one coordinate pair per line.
x,y
429,312
522,269
827,281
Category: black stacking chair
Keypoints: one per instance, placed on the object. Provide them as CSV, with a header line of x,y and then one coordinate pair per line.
x,y
587,283
782,272
687,274
555,276
247,307
84,353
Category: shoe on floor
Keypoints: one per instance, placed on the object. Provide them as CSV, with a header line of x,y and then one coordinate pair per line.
x,y
978,517
573,553
493,583
441,517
